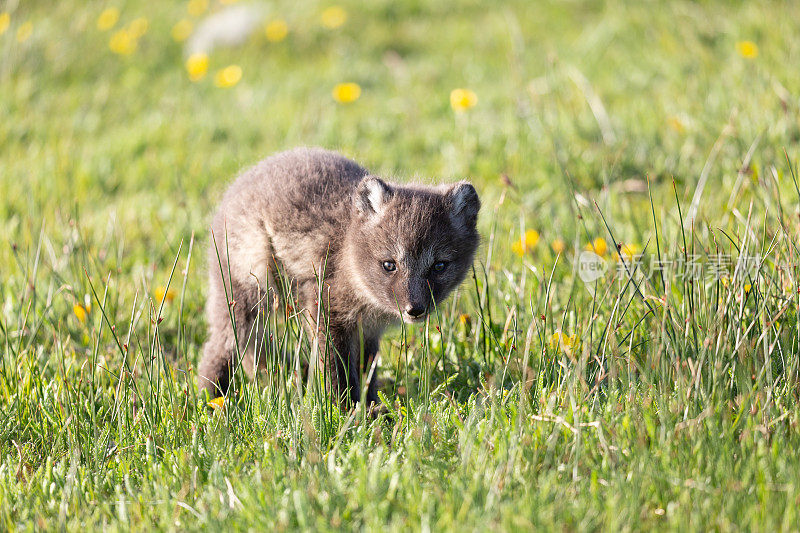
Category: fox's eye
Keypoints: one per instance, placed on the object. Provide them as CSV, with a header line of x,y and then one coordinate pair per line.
x,y
389,266
439,266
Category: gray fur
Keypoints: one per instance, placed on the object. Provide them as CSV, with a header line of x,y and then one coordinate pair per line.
x,y
307,210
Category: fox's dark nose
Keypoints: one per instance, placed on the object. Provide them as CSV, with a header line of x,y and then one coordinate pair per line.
x,y
415,311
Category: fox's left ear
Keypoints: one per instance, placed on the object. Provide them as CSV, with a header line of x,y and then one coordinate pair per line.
x,y
464,204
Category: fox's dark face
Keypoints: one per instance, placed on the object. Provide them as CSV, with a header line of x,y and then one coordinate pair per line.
x,y
412,246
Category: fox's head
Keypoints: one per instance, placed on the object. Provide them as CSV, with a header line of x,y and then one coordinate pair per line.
x,y
410,246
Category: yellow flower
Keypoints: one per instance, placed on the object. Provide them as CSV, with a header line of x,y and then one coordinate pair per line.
x,y
676,124
333,17
747,49
138,27
747,287
82,312
228,77
5,21
276,30
24,31
197,7
217,403
345,93
108,18
559,246
462,99
464,319
197,66
628,251
725,281
566,343
526,243
162,293
182,30
122,43
598,246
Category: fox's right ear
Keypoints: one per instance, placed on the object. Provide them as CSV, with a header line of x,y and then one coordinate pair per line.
x,y
371,196
464,203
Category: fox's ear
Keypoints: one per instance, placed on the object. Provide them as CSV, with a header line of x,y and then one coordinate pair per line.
x,y
371,196
464,204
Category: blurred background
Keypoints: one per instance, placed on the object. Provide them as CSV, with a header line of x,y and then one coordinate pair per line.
x,y
122,122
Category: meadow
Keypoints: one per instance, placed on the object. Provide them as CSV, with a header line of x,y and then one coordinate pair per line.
x,y
625,356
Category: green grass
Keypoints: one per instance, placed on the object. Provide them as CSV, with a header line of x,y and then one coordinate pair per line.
x,y
676,406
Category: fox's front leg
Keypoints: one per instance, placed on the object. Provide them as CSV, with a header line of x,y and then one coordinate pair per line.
x,y
340,364
334,348
343,352
370,373
350,358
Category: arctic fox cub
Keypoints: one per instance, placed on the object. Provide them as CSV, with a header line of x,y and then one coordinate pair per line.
x,y
368,252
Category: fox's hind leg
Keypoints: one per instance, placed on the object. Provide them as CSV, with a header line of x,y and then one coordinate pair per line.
x,y
215,371
236,311
237,336
217,365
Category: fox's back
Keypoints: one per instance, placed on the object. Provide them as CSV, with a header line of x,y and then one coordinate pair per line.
x,y
297,189
292,207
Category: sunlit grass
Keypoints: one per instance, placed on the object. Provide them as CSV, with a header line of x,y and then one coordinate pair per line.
x,y
646,397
